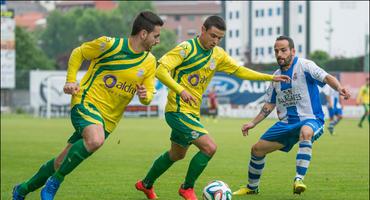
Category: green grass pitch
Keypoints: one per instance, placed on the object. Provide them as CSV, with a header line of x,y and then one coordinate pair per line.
x,y
339,168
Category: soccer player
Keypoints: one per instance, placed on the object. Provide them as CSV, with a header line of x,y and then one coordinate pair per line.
x,y
363,98
187,70
334,107
212,103
119,69
299,110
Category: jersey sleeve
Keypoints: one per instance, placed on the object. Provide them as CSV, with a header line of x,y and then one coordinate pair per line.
x,y
149,81
270,96
87,51
169,62
227,64
315,71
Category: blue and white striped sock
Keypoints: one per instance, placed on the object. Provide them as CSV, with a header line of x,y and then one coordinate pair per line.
x,y
303,158
256,165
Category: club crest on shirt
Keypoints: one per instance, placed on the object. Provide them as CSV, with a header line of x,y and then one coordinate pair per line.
x,y
295,76
212,64
140,73
102,46
194,134
182,53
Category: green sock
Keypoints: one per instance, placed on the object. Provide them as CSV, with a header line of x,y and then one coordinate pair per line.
x,y
74,157
196,167
39,179
160,165
362,119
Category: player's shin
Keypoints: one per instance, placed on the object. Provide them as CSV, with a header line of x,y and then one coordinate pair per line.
x,y
37,180
74,157
197,164
303,158
160,165
256,165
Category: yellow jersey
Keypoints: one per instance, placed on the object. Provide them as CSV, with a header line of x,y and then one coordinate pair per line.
x,y
363,95
191,67
114,71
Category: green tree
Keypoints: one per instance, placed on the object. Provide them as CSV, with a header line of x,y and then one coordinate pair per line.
x,y
67,30
28,56
320,57
168,41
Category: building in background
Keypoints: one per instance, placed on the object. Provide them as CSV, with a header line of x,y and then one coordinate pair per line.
x,y
186,17
311,24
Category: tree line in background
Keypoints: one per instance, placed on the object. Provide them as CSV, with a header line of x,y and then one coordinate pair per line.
x,y
323,59
50,48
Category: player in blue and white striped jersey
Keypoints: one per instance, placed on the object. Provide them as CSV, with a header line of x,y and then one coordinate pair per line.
x,y
335,108
299,110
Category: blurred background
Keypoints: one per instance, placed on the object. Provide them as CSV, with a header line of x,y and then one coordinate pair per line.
x,y
37,38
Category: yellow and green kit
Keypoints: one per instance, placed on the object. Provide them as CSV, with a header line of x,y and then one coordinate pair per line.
x,y
110,82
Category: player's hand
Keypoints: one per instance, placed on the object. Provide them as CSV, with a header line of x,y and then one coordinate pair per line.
x,y
281,78
71,88
344,92
188,98
141,91
246,127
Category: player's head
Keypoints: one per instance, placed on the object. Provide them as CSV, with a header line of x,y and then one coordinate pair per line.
x,y
284,50
213,30
147,27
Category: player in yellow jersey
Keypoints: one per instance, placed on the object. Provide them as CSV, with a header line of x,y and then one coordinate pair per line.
x,y
363,98
119,69
187,70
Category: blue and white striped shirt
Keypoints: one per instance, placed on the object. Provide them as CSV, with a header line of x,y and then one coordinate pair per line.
x,y
299,99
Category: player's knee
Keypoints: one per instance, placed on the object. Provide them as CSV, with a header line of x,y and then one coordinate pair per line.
x,y
306,135
177,156
257,151
94,144
210,150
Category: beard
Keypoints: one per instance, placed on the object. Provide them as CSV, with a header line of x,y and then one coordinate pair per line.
x,y
285,62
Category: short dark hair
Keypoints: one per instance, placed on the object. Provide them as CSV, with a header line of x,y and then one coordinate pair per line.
x,y
146,20
215,21
290,40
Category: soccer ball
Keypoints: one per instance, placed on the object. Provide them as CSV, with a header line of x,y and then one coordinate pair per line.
x,y
217,190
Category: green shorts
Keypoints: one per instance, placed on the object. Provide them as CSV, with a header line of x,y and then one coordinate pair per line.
x,y
82,116
185,128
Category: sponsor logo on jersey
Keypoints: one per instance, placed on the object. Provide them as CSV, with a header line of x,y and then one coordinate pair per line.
x,y
111,81
195,79
289,97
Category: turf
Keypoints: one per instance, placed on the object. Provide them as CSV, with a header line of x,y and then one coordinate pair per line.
x,y
339,168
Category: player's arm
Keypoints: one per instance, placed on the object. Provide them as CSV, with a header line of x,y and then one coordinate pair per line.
x,y
87,51
169,62
145,91
230,66
265,111
248,74
268,107
335,84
